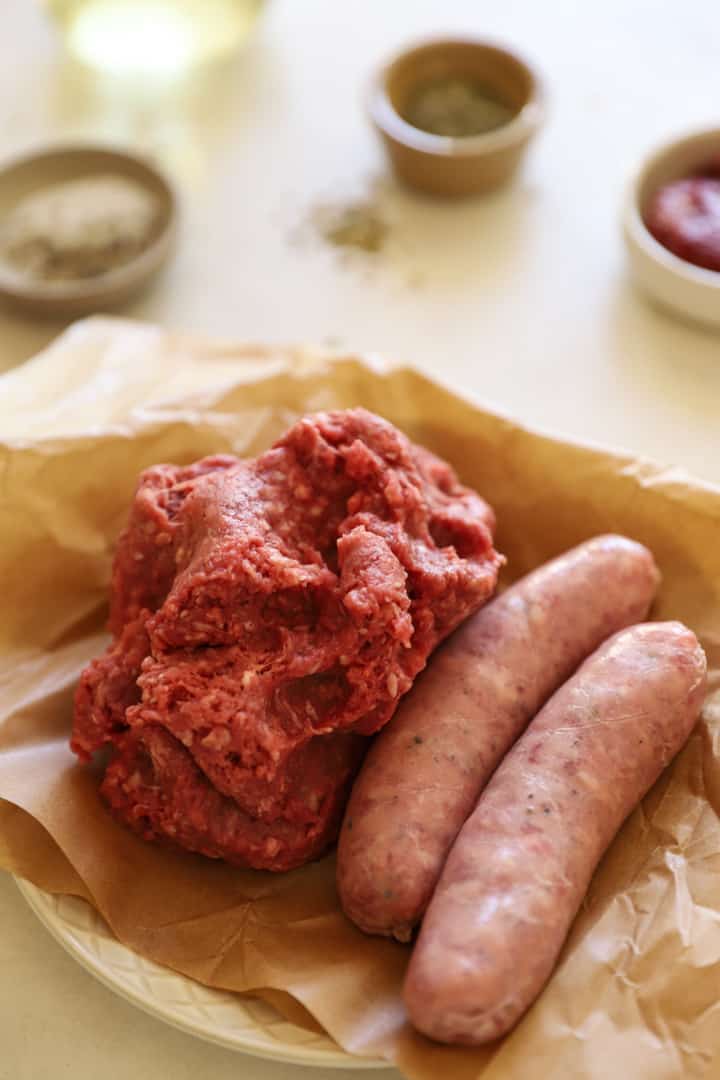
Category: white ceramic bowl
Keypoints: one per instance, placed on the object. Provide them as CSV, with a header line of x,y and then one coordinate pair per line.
x,y
669,280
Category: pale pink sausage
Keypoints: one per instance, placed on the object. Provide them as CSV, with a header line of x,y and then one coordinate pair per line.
x,y
424,773
521,864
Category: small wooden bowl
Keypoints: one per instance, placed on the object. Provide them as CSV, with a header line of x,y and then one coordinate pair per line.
x,y
445,165
27,175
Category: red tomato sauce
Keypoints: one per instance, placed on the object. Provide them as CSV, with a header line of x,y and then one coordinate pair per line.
x,y
684,216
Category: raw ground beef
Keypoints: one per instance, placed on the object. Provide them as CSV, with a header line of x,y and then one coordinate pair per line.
x,y
268,615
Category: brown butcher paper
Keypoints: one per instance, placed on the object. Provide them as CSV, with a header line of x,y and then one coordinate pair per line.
x,y
637,990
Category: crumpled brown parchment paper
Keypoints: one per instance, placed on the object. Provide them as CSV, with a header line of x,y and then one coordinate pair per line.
x,y
636,992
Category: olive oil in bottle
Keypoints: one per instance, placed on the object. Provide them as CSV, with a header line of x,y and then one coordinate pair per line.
x,y
152,37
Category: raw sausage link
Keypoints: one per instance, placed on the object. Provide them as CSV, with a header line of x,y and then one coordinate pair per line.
x,y
522,863
423,775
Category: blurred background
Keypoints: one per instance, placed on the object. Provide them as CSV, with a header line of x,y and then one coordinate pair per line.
x,y
257,112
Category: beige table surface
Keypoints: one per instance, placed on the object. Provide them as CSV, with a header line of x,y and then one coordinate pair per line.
x,y
521,298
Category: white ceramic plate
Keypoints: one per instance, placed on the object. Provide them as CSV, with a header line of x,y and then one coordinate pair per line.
x,y
235,1022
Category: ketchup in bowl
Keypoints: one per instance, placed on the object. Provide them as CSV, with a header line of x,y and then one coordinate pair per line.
x,y
684,216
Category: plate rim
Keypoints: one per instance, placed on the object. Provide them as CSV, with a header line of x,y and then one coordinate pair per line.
x,y
38,901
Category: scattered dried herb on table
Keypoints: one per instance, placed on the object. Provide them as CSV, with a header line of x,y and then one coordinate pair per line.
x,y
355,225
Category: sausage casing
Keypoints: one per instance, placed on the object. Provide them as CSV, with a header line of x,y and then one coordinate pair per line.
x,y
521,864
425,772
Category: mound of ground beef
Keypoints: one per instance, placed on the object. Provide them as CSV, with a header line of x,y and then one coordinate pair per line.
x,y
267,617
